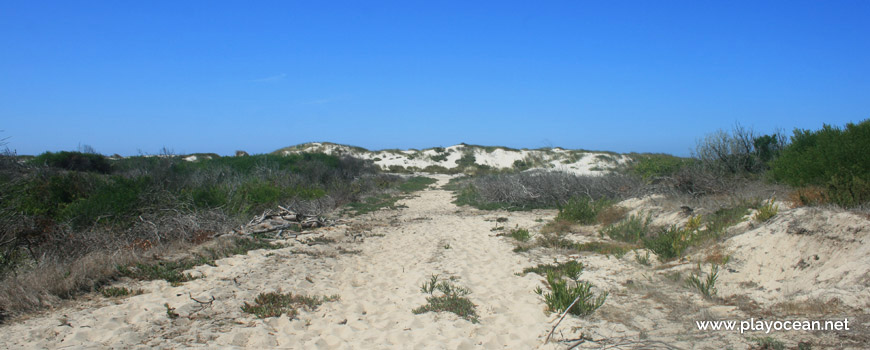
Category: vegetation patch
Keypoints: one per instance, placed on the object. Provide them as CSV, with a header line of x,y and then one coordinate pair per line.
x,y
118,292
606,248
444,296
172,271
582,210
565,289
374,203
833,158
520,234
275,304
766,211
706,285
631,230
570,268
416,183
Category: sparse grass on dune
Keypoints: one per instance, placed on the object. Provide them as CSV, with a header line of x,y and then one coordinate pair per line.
x,y
449,298
275,304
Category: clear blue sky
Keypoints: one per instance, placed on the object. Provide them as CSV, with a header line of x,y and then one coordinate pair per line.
x,y
216,76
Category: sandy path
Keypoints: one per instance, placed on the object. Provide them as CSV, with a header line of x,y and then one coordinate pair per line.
x,y
378,288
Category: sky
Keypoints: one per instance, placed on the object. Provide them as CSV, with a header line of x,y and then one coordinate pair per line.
x,y
132,78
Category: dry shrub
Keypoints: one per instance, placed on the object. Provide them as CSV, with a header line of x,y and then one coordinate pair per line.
x,y
808,196
552,188
717,256
812,307
558,226
611,214
51,281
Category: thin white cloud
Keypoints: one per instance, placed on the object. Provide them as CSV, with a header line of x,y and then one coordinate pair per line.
x,y
271,78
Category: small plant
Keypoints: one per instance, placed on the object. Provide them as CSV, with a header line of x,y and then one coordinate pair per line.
x,y
707,286
452,298
766,211
170,312
768,343
563,293
520,234
642,259
446,246
275,304
670,243
115,292
694,223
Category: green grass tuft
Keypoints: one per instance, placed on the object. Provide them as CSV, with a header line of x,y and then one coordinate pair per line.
x,y
452,298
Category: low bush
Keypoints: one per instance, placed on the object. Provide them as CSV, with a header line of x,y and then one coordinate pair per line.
x,y
808,195
611,214
654,166
520,234
582,210
540,189
833,158
563,294
670,242
75,161
766,211
631,230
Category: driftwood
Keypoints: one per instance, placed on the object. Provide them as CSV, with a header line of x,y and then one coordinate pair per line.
x,y
284,223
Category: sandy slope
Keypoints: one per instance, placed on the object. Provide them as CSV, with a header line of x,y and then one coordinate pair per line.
x,y
647,307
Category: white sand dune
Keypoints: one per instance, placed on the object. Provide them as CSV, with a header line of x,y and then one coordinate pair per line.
x,y
578,162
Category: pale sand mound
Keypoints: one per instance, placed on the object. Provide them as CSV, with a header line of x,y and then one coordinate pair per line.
x,y
378,288
803,254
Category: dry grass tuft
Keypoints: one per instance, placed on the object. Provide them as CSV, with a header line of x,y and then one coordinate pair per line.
x,y
612,214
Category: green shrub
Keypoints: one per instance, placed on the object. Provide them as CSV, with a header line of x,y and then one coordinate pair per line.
x,y
582,210
670,243
563,292
724,218
651,166
75,161
766,211
416,183
117,199
520,234
833,157
209,196
631,230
